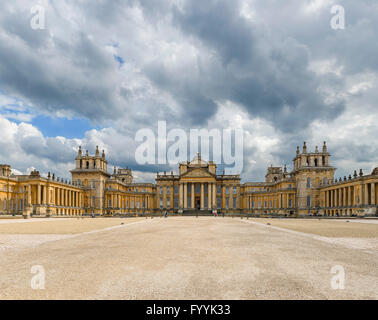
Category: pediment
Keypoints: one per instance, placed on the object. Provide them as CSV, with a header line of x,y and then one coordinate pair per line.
x,y
198,173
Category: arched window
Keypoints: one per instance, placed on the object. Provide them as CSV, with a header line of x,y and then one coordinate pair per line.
x,y
325,181
316,162
308,182
87,165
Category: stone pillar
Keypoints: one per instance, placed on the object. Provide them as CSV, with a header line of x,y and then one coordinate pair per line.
x,y
361,194
192,198
209,200
29,199
181,195
39,194
349,196
48,197
344,198
202,196
185,195
373,194
326,202
214,195
366,193
332,205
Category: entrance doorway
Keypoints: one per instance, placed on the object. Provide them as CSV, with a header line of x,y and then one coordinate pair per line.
x,y
197,203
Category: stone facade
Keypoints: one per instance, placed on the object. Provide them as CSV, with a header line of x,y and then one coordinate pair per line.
x,y
309,189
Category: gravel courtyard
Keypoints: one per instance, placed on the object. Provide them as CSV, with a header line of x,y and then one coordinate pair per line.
x,y
188,258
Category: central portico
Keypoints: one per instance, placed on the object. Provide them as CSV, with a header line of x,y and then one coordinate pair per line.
x,y
197,187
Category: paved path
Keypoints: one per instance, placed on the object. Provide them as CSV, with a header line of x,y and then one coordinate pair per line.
x,y
189,258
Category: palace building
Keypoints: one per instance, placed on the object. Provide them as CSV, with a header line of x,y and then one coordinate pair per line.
x,y
310,188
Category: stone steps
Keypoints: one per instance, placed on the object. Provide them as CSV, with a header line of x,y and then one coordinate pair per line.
x,y
199,213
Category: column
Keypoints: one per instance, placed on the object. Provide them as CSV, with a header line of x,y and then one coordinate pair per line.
x,y
47,199
331,191
44,201
344,197
354,196
361,194
202,196
29,195
180,195
39,194
327,199
192,197
209,200
373,194
349,196
366,193
185,195
214,195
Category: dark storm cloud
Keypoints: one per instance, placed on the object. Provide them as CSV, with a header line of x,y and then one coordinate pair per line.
x,y
273,82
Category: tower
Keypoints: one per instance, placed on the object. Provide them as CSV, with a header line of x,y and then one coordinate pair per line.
x,y
91,172
311,170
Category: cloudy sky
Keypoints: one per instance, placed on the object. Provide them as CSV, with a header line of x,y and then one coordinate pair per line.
x,y
101,70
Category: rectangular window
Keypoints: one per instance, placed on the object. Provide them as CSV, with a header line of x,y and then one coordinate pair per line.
x,y
168,190
234,203
168,202
227,203
227,190
176,204
176,190
290,203
219,203
161,203
219,189
252,204
234,190
161,190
